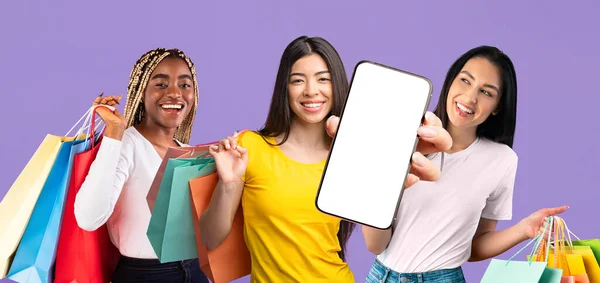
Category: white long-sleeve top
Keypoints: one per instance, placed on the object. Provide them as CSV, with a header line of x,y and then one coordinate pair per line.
x,y
114,192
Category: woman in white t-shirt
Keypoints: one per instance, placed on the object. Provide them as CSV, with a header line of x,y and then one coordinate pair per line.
x,y
162,98
441,225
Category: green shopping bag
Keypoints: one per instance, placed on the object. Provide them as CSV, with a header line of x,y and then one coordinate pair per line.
x,y
503,271
171,228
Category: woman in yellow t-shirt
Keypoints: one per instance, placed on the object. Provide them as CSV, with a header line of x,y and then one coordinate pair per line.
x,y
275,173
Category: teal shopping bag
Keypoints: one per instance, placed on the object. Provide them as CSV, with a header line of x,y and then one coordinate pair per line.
x,y
171,228
504,271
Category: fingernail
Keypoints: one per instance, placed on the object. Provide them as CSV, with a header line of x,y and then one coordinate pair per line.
x,y
426,132
419,159
429,117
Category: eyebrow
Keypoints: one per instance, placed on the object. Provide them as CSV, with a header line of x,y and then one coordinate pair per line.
x,y
163,76
486,85
303,75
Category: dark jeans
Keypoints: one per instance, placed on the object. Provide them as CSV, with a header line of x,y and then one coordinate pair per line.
x,y
151,270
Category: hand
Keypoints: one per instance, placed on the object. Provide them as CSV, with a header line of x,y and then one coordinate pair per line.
x,y
231,159
533,225
432,138
115,123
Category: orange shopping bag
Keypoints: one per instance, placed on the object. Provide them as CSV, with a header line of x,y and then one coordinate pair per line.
x,y
231,260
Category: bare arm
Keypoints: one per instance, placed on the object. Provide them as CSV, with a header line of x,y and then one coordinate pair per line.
x,y
488,243
376,240
216,221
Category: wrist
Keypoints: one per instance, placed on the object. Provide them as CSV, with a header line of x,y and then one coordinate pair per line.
x,y
113,132
521,231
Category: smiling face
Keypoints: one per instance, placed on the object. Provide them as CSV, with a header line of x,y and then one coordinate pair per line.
x,y
310,89
169,94
474,94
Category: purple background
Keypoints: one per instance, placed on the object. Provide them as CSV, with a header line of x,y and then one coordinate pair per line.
x,y
58,55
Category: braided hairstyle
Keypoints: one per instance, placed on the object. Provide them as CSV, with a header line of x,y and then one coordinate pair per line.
x,y
139,77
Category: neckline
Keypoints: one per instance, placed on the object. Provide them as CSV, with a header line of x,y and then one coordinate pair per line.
x,y
463,152
150,144
273,144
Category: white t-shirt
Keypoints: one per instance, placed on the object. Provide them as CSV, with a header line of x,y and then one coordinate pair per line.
x,y
115,191
436,221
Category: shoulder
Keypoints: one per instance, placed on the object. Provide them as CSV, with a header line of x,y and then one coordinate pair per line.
x,y
251,139
500,152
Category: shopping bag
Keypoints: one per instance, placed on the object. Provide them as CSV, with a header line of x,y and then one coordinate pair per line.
x,y
231,259
83,256
171,229
576,261
503,271
572,266
18,203
35,256
593,244
172,152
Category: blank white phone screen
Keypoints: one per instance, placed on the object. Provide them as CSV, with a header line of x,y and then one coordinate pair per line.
x,y
370,157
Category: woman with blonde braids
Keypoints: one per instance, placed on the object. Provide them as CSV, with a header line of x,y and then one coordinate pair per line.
x,y
162,98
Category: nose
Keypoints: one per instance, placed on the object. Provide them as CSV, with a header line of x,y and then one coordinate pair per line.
x,y
311,89
173,91
472,95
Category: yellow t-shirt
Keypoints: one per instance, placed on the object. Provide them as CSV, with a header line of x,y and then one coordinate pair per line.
x,y
288,238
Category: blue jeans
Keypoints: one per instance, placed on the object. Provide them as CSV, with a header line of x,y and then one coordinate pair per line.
x,y
381,274
132,270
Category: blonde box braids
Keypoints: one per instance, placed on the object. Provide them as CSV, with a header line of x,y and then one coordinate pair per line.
x,y
140,74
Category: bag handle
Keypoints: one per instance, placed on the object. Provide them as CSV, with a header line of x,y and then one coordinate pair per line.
x,y
93,113
84,126
537,241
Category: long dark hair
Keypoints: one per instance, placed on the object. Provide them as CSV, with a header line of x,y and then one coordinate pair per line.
x,y
279,119
500,127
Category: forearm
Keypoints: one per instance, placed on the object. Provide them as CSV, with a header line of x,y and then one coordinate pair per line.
x,y
216,221
376,240
491,244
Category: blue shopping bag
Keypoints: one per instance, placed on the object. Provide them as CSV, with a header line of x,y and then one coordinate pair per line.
x,y
35,256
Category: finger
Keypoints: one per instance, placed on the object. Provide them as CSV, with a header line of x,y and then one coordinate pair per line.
x,y
233,142
433,139
410,180
243,153
117,113
554,210
225,143
331,125
432,120
221,145
98,99
212,150
424,168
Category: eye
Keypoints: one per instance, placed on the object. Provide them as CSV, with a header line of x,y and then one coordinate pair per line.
x,y
486,92
161,85
296,81
324,79
465,81
185,85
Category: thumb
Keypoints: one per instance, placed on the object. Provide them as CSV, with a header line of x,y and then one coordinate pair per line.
x,y
117,113
331,125
243,152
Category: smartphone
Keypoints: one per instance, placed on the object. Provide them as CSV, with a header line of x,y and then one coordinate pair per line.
x,y
363,179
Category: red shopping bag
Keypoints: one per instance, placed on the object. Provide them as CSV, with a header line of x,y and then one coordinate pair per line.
x,y
82,256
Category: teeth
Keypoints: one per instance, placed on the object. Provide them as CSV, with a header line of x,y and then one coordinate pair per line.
x,y
464,108
171,106
312,105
